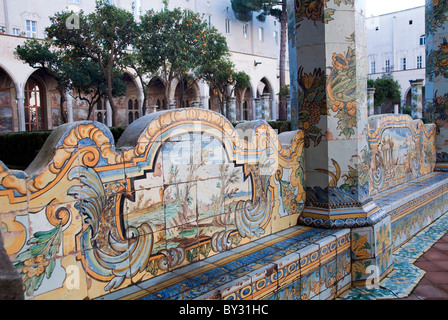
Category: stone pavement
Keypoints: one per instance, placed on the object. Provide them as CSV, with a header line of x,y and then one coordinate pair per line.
x,y
434,284
420,269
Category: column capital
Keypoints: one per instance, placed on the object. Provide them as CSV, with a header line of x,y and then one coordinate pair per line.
x,y
416,82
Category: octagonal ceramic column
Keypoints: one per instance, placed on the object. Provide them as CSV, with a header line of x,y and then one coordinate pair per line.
x,y
416,98
371,101
327,46
436,86
329,103
266,106
232,109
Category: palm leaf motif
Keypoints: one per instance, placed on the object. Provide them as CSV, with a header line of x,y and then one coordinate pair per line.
x,y
252,216
36,263
113,256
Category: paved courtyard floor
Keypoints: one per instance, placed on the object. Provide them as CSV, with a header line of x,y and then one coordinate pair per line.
x,y
421,269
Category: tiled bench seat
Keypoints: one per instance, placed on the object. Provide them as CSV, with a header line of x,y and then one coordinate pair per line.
x,y
414,205
298,263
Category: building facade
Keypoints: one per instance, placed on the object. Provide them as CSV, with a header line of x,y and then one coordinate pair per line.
x,y
30,101
396,48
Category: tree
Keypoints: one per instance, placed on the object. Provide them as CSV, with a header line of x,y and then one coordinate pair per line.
x,y
244,9
173,44
87,83
221,76
41,55
387,91
102,36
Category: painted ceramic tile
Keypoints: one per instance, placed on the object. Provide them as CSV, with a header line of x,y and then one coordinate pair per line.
x,y
145,207
150,205
328,279
310,285
180,204
264,281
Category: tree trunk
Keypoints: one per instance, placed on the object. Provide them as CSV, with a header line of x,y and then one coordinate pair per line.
x,y
61,103
109,95
182,93
167,93
283,29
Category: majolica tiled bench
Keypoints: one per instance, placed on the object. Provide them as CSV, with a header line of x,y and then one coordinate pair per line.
x,y
298,263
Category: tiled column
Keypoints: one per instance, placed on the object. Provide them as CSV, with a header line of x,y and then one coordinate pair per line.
x,y
416,98
266,107
329,80
371,101
258,109
69,102
232,109
329,103
436,86
108,114
20,106
288,108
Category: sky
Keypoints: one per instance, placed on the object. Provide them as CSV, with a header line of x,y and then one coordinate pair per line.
x,y
377,7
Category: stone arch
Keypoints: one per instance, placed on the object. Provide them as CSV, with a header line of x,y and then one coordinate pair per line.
x,y
131,108
407,98
8,109
38,103
244,104
156,94
189,95
264,87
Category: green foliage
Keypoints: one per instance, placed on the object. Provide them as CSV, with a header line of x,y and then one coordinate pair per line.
x,y
280,126
103,37
284,91
90,59
29,142
175,44
41,55
387,90
221,75
244,9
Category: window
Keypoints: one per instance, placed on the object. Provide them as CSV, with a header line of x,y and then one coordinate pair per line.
x,y
372,67
422,40
15,31
276,37
34,106
228,26
260,34
387,66
245,32
74,1
411,22
133,112
403,63
31,29
377,28
419,62
100,112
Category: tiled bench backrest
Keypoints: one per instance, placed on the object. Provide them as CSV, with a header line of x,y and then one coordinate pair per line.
x,y
88,216
399,150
